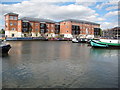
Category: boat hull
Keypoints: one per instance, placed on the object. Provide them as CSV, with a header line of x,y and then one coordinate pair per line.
x,y
5,49
74,40
98,44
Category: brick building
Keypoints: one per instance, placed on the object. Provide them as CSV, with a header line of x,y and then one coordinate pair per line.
x,y
112,33
36,27
29,27
72,27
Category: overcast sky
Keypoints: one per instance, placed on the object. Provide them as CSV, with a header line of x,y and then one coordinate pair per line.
x,y
104,13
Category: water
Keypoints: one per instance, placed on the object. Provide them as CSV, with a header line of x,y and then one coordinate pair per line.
x,y
53,64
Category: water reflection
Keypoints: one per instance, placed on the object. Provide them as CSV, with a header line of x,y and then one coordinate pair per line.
x,y
59,64
104,52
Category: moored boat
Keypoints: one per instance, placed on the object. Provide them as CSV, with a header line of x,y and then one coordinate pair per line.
x,y
74,40
4,48
105,43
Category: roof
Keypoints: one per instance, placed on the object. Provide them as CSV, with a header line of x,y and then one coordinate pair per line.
x,y
37,19
11,13
80,21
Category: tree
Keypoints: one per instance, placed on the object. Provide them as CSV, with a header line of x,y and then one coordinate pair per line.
x,y
2,31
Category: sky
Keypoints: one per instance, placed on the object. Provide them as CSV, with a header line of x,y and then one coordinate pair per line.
x,y
103,12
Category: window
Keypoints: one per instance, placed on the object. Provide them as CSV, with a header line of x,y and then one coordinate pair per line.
x,y
6,18
52,25
36,24
36,29
47,25
15,18
36,34
31,24
15,23
13,28
52,30
66,31
24,29
11,24
11,17
47,30
66,26
19,23
42,30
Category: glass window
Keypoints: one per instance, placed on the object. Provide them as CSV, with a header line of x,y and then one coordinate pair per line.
x,y
52,25
11,23
31,24
15,23
48,30
15,18
36,29
47,25
11,17
6,18
52,30
13,28
42,30
36,24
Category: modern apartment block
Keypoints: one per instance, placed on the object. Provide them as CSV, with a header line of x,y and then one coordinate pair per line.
x,y
72,27
36,27
29,27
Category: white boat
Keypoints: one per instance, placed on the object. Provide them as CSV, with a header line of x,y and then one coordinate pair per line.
x,y
74,40
106,43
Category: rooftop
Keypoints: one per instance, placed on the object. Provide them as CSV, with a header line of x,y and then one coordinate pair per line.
x,y
80,21
11,14
37,19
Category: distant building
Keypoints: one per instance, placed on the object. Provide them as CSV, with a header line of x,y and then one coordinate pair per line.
x,y
36,27
112,33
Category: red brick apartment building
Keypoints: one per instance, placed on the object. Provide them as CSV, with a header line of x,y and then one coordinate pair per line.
x,y
72,27
36,27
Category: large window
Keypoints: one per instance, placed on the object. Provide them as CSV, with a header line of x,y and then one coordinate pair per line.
x,y
36,24
15,23
42,30
31,24
75,29
11,17
14,17
57,29
25,29
13,29
36,29
11,23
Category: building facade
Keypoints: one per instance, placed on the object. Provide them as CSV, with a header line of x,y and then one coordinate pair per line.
x,y
72,27
29,27
112,33
36,27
